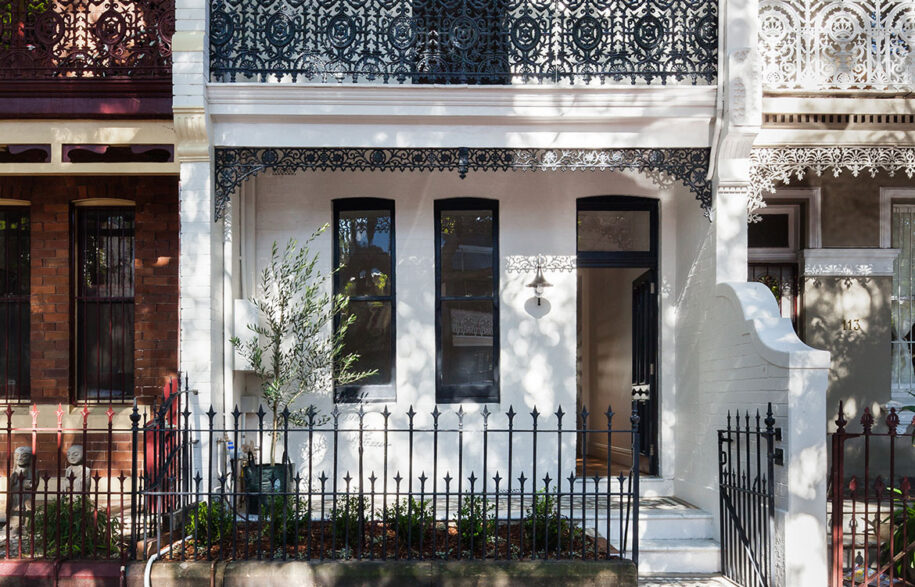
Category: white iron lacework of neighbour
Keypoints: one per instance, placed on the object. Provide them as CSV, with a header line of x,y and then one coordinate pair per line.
x,y
821,45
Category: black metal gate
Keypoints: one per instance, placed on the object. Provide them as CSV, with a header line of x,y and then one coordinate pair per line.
x,y
746,463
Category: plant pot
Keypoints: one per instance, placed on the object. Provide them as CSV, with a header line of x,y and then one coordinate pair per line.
x,y
263,480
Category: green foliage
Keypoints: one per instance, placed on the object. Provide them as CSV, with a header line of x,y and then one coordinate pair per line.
x,y
76,528
410,518
903,521
286,518
295,349
210,523
475,521
543,521
345,518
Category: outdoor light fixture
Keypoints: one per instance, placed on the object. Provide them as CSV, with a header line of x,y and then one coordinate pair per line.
x,y
540,283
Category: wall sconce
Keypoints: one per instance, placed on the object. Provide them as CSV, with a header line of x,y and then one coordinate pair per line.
x,y
540,283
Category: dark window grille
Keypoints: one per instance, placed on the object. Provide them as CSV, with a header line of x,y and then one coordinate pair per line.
x,y
364,252
781,279
14,303
105,239
466,300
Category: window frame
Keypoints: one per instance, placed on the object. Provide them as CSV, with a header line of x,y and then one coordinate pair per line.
x,y
23,395
787,254
467,392
647,258
363,392
78,207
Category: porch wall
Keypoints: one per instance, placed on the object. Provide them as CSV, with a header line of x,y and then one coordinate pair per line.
x,y
537,215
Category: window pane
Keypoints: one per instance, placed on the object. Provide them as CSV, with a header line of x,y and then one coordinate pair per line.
x,y
14,303
467,242
467,343
105,304
903,308
364,241
771,232
614,230
370,337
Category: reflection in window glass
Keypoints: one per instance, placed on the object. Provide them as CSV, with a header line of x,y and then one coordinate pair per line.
x,y
614,230
105,304
14,303
364,245
466,300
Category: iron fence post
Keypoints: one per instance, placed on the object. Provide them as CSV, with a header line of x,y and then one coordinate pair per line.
x,y
134,483
636,449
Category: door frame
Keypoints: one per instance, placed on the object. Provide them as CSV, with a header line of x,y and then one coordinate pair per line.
x,y
631,259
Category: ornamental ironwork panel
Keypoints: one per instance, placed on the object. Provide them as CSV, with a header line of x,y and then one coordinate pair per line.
x,y
97,39
687,165
464,41
828,45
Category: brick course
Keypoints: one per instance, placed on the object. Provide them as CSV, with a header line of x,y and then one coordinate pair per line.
x,y
156,280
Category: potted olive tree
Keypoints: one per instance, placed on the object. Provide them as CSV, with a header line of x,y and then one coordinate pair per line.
x,y
294,350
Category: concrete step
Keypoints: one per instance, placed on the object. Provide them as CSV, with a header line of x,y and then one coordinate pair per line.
x,y
694,555
659,518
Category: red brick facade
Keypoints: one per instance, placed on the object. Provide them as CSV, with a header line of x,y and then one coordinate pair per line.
x,y
156,279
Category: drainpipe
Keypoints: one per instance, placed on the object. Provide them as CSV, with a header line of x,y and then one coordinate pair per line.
x,y
148,570
719,103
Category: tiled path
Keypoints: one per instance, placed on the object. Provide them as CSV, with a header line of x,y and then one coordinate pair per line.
x,y
685,581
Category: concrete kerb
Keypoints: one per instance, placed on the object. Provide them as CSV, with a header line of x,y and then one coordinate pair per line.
x,y
616,573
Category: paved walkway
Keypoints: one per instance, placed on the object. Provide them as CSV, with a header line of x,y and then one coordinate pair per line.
x,y
685,581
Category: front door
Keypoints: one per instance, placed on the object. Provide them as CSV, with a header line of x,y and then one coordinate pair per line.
x,y
644,365
618,328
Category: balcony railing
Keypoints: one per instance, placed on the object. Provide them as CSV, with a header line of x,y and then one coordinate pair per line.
x,y
824,45
464,41
86,39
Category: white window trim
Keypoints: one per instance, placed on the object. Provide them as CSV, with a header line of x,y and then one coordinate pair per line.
x,y
887,195
814,199
779,254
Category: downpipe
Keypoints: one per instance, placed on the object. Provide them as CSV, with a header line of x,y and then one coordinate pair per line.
x,y
147,572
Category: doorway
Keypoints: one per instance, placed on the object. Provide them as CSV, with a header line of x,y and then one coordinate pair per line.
x,y
617,330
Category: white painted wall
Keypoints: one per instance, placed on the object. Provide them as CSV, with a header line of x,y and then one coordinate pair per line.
x,y
538,349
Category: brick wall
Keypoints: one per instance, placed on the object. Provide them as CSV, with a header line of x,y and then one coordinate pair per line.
x,y
156,294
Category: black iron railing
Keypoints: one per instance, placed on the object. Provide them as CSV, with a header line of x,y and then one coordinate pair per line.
x,y
872,509
345,484
86,39
746,481
464,41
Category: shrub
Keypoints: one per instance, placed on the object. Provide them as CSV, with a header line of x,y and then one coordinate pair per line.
x,y
475,521
346,516
286,518
76,528
210,523
544,523
903,551
410,518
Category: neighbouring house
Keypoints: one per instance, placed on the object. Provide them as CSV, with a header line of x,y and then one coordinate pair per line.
x,y
88,219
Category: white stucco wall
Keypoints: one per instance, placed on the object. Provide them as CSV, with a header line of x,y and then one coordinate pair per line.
x,y
537,215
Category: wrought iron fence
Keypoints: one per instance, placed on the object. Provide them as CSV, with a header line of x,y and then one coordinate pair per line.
x,y
746,481
77,39
380,485
872,509
464,41
345,484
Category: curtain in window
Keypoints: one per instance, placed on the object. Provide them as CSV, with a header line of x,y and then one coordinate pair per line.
x,y
903,318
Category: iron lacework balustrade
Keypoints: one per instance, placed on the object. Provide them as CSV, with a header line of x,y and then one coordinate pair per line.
x,y
86,39
464,41
234,165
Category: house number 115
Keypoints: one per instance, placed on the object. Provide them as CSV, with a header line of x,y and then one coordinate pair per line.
x,y
852,324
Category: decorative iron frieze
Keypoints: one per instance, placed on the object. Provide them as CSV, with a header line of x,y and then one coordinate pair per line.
x,y
828,45
97,39
771,166
236,164
464,41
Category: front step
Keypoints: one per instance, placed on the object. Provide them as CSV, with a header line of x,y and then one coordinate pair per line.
x,y
674,536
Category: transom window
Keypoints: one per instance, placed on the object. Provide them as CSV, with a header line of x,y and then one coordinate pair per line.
x,y
14,303
104,303
773,244
364,251
466,300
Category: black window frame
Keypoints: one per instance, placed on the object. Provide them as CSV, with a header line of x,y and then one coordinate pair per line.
x,y
467,392
76,256
367,392
647,258
9,301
